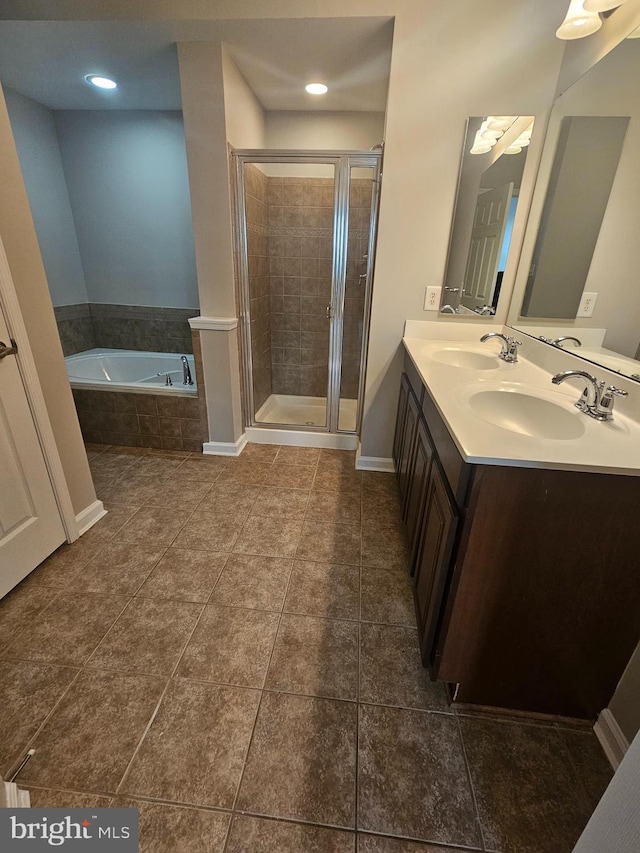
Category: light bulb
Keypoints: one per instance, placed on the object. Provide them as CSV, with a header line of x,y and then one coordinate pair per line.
x,y
101,82
513,149
479,148
500,122
316,88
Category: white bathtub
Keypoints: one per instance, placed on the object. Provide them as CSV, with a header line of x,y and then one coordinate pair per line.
x,y
129,370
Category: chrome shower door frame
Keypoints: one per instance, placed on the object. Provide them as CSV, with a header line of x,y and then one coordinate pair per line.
x,y
342,162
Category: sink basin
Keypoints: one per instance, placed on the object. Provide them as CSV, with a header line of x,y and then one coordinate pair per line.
x,y
522,410
465,358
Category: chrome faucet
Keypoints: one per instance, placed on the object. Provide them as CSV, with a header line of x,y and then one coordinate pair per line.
x,y
486,309
509,351
560,340
597,397
186,371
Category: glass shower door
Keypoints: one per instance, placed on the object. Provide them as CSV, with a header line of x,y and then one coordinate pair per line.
x,y
289,215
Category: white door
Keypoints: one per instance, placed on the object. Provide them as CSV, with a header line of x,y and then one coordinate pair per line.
x,y
487,235
30,523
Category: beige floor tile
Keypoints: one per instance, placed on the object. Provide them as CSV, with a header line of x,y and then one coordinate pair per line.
x,y
380,509
254,582
301,763
391,672
148,637
384,844
412,778
249,472
297,456
382,484
324,589
335,507
262,537
157,464
46,798
152,525
20,608
28,693
387,596
346,481
314,656
175,829
91,736
209,531
280,503
329,543
231,645
265,453
69,630
230,497
118,568
185,761
109,526
63,565
179,492
205,469
183,575
261,835
290,476
384,547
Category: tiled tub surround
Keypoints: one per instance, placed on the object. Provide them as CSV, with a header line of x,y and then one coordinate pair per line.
x,y
137,327
162,421
233,650
290,246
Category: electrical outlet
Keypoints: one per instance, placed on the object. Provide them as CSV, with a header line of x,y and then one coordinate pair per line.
x,y
432,298
587,304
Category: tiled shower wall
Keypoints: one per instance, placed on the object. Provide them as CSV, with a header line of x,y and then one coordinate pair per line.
x,y
290,245
134,327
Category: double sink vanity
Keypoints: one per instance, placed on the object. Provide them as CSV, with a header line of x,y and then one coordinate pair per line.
x,y
516,504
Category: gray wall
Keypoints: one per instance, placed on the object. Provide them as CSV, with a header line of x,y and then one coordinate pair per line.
x,y
35,136
127,180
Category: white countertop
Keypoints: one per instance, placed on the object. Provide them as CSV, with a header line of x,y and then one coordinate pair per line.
x,y
587,445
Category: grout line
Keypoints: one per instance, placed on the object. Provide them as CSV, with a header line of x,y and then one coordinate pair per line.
x,y
471,786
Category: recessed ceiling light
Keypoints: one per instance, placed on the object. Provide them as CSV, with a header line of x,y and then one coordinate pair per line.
x,y
316,88
101,82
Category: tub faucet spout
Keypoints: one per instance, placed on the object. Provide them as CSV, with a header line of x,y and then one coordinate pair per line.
x,y
186,371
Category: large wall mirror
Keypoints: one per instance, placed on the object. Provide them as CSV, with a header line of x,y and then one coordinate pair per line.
x,y
578,275
493,158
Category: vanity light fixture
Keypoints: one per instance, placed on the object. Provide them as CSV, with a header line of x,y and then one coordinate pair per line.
x,y
316,88
602,5
578,22
491,129
100,81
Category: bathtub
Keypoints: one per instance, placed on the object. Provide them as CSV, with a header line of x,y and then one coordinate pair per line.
x,y
129,370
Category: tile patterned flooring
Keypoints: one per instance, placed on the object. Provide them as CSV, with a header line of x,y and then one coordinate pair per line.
x,y
233,650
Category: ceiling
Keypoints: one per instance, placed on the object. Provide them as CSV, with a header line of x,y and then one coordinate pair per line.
x,y
47,61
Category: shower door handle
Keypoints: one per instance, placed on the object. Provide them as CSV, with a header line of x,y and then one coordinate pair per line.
x,y
329,311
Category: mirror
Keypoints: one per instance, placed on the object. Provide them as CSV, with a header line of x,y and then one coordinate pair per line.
x,y
493,158
578,272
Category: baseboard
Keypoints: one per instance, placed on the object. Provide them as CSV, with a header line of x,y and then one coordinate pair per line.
x,y
89,516
374,463
302,438
611,737
225,448
12,797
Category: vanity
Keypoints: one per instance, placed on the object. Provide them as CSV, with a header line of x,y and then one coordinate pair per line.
x,y
516,506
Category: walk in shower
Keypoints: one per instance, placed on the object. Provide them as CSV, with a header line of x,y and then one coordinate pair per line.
x,y
306,225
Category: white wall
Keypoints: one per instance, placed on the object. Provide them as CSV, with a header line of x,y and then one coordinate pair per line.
x,y
244,115
35,137
127,179
352,131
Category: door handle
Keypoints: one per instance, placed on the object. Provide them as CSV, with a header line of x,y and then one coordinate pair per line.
x,y
329,312
5,350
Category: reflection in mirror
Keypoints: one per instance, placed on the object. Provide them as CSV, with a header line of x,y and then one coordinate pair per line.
x,y
493,158
579,266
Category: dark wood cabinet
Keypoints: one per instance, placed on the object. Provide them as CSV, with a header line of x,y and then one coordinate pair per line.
x,y
440,520
525,579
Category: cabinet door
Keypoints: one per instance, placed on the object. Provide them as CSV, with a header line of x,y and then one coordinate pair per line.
x,y
434,551
420,468
412,418
401,422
